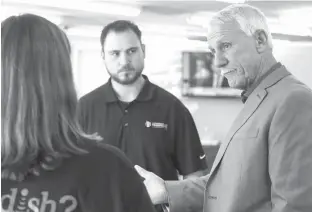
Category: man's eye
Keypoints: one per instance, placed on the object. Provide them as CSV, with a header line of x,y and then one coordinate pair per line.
x,y
114,54
131,51
226,46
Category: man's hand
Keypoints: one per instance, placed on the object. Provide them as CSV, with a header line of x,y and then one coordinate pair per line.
x,y
155,186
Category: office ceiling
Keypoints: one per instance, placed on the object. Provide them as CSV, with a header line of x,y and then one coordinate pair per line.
x,y
165,15
182,7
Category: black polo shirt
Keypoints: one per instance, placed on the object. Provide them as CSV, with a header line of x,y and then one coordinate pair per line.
x,y
156,131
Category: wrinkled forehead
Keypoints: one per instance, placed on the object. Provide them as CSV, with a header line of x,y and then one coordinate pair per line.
x,y
218,30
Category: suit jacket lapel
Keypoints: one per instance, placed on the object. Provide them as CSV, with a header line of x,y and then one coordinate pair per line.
x,y
251,105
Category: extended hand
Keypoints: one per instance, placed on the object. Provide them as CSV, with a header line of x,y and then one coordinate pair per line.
x,y
155,186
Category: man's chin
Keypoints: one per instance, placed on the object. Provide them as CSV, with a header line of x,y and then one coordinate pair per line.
x,y
236,85
126,81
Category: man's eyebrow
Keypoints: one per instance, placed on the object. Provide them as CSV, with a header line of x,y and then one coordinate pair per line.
x,y
133,48
219,43
118,50
113,50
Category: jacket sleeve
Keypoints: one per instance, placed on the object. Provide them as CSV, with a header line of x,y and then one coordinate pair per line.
x,y
186,195
290,154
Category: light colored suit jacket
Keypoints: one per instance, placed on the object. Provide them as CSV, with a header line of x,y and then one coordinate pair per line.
x,y
265,162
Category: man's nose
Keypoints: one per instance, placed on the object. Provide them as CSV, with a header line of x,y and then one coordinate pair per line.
x,y
220,61
124,59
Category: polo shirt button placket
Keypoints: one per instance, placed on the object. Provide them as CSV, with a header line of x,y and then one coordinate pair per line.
x,y
126,124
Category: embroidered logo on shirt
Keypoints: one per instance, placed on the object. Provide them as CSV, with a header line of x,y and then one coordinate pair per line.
x,y
148,124
202,156
156,125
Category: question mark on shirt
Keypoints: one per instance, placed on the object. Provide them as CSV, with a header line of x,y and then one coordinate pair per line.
x,y
73,200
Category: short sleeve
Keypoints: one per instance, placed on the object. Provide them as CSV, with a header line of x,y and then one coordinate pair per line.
x,y
189,155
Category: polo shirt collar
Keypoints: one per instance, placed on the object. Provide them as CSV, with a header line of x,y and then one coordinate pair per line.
x,y
109,93
146,93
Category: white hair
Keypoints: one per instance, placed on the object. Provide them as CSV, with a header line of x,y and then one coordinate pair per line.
x,y
249,18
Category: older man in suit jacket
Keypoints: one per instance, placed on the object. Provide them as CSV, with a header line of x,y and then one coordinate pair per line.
x,y
265,162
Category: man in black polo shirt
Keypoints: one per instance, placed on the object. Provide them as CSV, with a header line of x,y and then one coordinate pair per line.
x,y
152,127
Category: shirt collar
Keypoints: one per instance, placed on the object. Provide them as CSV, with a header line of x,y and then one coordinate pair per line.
x,y
146,93
245,94
109,93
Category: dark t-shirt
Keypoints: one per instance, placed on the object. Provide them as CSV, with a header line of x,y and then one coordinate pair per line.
x,y
155,131
101,180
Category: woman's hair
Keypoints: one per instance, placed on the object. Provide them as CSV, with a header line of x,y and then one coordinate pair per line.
x,y
38,97
249,18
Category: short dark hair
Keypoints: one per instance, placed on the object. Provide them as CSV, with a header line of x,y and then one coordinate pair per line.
x,y
120,26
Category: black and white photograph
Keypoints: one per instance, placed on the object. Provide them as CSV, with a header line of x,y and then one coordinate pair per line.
x,y
156,106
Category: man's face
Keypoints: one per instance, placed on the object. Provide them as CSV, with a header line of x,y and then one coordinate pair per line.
x,y
123,56
235,54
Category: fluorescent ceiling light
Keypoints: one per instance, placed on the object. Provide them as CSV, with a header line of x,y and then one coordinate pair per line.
x,y
233,1
153,29
290,29
200,19
292,22
85,31
287,23
81,5
8,11
165,29
172,30
294,17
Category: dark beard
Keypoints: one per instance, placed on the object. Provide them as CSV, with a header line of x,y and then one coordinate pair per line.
x,y
128,81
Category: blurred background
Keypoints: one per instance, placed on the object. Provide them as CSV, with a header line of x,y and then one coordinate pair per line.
x,y
171,28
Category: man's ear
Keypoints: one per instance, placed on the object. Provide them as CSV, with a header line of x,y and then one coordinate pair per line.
x,y
143,49
261,39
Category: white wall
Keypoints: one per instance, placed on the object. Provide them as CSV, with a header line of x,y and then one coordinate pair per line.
x,y
297,57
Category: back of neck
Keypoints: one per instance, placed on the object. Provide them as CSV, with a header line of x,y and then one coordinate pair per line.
x,y
265,65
